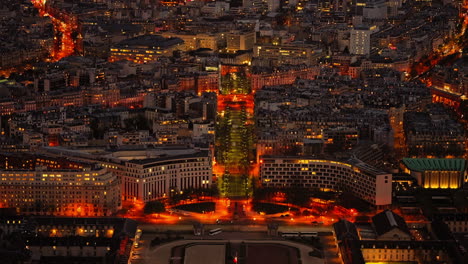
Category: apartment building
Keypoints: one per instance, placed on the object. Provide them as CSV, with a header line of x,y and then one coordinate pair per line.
x,y
149,179
362,180
49,187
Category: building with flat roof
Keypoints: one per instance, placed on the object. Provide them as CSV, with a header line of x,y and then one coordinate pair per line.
x,y
51,186
145,49
149,179
194,41
149,173
456,222
360,40
362,180
437,173
68,240
294,54
240,40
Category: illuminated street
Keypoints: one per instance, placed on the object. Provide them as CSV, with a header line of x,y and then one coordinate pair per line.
x,y
452,47
66,29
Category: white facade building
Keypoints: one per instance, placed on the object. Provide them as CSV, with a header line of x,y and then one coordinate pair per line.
x,y
61,192
153,178
360,179
360,39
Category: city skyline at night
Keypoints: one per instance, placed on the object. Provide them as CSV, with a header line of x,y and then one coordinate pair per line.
x,y
226,131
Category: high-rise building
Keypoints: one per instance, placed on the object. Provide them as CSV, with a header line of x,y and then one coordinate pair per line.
x,y
360,39
273,5
240,40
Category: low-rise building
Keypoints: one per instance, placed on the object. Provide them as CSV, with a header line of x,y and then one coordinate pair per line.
x,y
195,41
390,226
434,132
394,242
456,222
297,53
64,239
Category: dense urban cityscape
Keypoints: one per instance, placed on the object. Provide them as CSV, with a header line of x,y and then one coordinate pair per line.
x,y
234,131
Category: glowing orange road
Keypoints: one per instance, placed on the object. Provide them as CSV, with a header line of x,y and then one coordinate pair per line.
x,y
450,48
464,16
65,24
318,212
236,102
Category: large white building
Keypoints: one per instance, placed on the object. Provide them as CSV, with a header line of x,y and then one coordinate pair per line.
x,y
147,174
360,39
83,191
362,180
240,40
153,178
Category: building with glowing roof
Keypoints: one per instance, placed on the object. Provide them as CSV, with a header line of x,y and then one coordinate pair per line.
x,y
437,173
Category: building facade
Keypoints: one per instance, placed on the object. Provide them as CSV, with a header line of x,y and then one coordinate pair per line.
x,y
294,54
197,41
423,251
145,49
150,179
63,192
365,182
360,40
239,40
437,173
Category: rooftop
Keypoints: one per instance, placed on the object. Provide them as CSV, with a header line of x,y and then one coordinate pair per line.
x,y
388,220
150,161
424,164
154,41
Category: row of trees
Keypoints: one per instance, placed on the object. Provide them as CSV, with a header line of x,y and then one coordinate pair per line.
x,y
296,195
155,207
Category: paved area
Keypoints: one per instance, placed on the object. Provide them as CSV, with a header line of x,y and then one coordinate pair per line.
x,y
205,254
162,253
271,253
150,228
